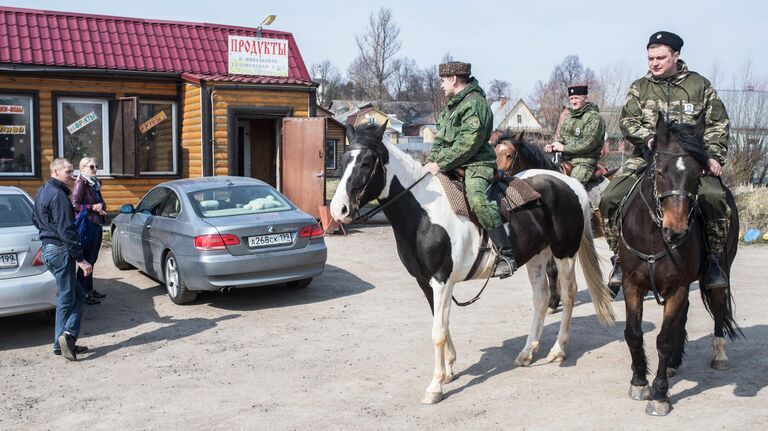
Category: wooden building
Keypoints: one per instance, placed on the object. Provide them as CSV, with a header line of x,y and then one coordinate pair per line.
x,y
157,100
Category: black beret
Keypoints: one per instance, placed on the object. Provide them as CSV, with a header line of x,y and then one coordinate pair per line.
x,y
578,90
456,68
666,38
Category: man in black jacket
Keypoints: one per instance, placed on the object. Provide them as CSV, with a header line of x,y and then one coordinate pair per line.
x,y
55,219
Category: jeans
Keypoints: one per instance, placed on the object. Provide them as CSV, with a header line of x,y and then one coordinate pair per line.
x,y
70,295
90,254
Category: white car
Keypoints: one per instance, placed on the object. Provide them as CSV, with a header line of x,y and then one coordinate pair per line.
x,y
26,285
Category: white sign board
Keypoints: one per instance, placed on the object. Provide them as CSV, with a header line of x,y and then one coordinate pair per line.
x,y
257,56
79,124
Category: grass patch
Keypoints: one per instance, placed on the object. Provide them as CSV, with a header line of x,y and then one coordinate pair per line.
x,y
753,209
330,188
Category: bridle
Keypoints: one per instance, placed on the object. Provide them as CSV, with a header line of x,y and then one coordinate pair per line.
x,y
508,172
657,217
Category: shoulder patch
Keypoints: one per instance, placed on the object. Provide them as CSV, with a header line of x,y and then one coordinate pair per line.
x,y
473,122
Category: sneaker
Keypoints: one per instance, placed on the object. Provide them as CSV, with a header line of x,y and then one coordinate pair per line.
x,y
98,295
90,300
67,345
78,350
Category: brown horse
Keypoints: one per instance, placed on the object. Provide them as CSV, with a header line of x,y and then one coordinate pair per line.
x,y
663,251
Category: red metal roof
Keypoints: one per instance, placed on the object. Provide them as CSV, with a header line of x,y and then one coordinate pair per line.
x,y
198,50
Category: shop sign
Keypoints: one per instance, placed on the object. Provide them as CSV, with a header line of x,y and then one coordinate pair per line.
x,y
152,122
11,109
79,124
257,56
13,130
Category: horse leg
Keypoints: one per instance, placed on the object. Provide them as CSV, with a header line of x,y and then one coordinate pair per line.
x,y
442,300
717,303
554,287
678,348
633,335
450,357
537,275
567,281
674,305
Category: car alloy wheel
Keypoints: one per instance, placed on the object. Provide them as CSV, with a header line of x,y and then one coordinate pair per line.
x,y
172,276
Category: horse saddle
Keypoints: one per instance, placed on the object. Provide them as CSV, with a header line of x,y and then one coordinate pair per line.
x,y
600,171
509,192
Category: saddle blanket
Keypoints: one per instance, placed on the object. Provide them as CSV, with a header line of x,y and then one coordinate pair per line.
x,y
517,193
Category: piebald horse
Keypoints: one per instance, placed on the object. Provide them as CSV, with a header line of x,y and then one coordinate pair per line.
x,y
440,248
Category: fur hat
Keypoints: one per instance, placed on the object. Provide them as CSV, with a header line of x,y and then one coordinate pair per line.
x,y
666,38
456,68
578,90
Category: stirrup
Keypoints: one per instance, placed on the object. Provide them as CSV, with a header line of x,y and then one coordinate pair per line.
x,y
506,269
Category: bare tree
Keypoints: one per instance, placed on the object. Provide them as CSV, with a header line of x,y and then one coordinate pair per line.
x,y
747,105
498,88
377,48
550,97
433,90
330,80
362,79
406,81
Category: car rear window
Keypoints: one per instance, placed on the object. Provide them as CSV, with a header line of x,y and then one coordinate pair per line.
x,y
15,210
238,200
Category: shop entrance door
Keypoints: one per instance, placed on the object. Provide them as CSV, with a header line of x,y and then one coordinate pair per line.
x,y
257,149
303,163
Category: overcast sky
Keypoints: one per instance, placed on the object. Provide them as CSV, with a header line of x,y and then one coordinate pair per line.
x,y
516,41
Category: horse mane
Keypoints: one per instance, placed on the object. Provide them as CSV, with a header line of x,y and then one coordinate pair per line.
x,y
534,155
685,137
367,136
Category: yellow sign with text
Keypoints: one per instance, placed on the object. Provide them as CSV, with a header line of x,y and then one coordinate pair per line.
x,y
152,122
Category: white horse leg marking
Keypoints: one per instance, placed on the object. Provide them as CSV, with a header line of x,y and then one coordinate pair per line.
x,y
440,336
537,275
719,360
450,357
567,280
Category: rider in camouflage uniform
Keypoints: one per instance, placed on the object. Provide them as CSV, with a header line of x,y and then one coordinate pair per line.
x,y
582,134
671,89
463,130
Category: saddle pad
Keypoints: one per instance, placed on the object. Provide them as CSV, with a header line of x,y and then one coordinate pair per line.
x,y
518,193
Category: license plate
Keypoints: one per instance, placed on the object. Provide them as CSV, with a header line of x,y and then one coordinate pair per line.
x,y
8,260
270,240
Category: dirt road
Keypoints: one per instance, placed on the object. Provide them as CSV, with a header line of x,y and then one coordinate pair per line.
x,y
353,352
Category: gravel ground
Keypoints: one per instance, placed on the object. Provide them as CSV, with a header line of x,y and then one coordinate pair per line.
x,y
353,351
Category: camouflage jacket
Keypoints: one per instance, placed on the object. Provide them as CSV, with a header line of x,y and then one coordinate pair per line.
x,y
583,133
682,97
463,130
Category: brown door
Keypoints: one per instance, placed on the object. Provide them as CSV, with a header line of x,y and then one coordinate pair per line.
x,y
303,163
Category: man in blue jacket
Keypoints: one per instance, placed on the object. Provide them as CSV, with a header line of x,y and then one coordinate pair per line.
x,y
62,254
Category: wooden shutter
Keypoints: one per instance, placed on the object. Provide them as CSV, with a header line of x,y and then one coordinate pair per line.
x,y
123,157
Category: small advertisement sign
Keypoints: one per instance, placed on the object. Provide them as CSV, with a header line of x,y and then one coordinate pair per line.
x,y
257,56
79,124
152,122
11,109
13,130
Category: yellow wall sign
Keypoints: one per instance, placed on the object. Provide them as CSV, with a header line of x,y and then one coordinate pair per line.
x,y
13,130
152,122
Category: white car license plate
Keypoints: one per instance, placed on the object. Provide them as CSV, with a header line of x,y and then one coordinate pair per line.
x,y
8,260
269,240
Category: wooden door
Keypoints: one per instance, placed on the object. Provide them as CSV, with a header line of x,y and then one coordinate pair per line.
x,y
303,163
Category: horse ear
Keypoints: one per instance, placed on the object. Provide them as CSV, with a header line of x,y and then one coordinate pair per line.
x,y
701,126
661,130
383,128
520,136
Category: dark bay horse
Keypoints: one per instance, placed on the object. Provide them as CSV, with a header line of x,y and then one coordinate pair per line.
x,y
440,248
663,251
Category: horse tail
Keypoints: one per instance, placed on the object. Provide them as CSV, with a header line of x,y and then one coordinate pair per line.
x,y
598,290
730,327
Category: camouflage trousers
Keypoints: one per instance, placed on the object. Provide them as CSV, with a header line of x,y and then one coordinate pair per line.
x,y
477,179
711,202
583,171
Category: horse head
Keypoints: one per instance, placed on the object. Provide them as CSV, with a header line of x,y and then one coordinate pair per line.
x,y
678,159
365,175
507,156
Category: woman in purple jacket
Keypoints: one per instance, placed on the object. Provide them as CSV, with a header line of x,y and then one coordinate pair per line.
x,y
87,194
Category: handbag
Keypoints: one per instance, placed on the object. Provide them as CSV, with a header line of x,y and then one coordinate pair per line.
x,y
84,227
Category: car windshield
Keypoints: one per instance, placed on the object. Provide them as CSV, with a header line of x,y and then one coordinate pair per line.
x,y
238,200
15,210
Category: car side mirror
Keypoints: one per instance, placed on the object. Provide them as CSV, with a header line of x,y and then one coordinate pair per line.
x,y
126,209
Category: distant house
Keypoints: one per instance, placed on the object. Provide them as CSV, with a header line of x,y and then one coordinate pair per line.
x,y
428,132
335,143
518,116
368,114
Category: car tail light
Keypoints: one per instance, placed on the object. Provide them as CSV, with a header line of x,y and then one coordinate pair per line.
x,y
38,260
215,241
312,231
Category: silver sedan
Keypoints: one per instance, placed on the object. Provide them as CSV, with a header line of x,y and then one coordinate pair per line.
x,y
217,233
26,285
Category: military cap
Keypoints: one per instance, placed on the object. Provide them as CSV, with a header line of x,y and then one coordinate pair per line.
x,y
666,38
456,68
578,90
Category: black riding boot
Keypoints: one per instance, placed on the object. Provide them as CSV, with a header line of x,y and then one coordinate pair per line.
x,y
715,278
616,279
505,257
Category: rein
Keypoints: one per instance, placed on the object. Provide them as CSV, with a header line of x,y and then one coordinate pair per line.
x,y
657,218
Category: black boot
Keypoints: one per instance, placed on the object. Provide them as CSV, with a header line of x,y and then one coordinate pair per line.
x,y
616,279
505,257
715,277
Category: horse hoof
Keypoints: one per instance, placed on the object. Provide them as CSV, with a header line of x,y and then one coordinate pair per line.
x,y
432,398
449,378
558,356
720,364
551,310
524,360
639,393
671,372
658,408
